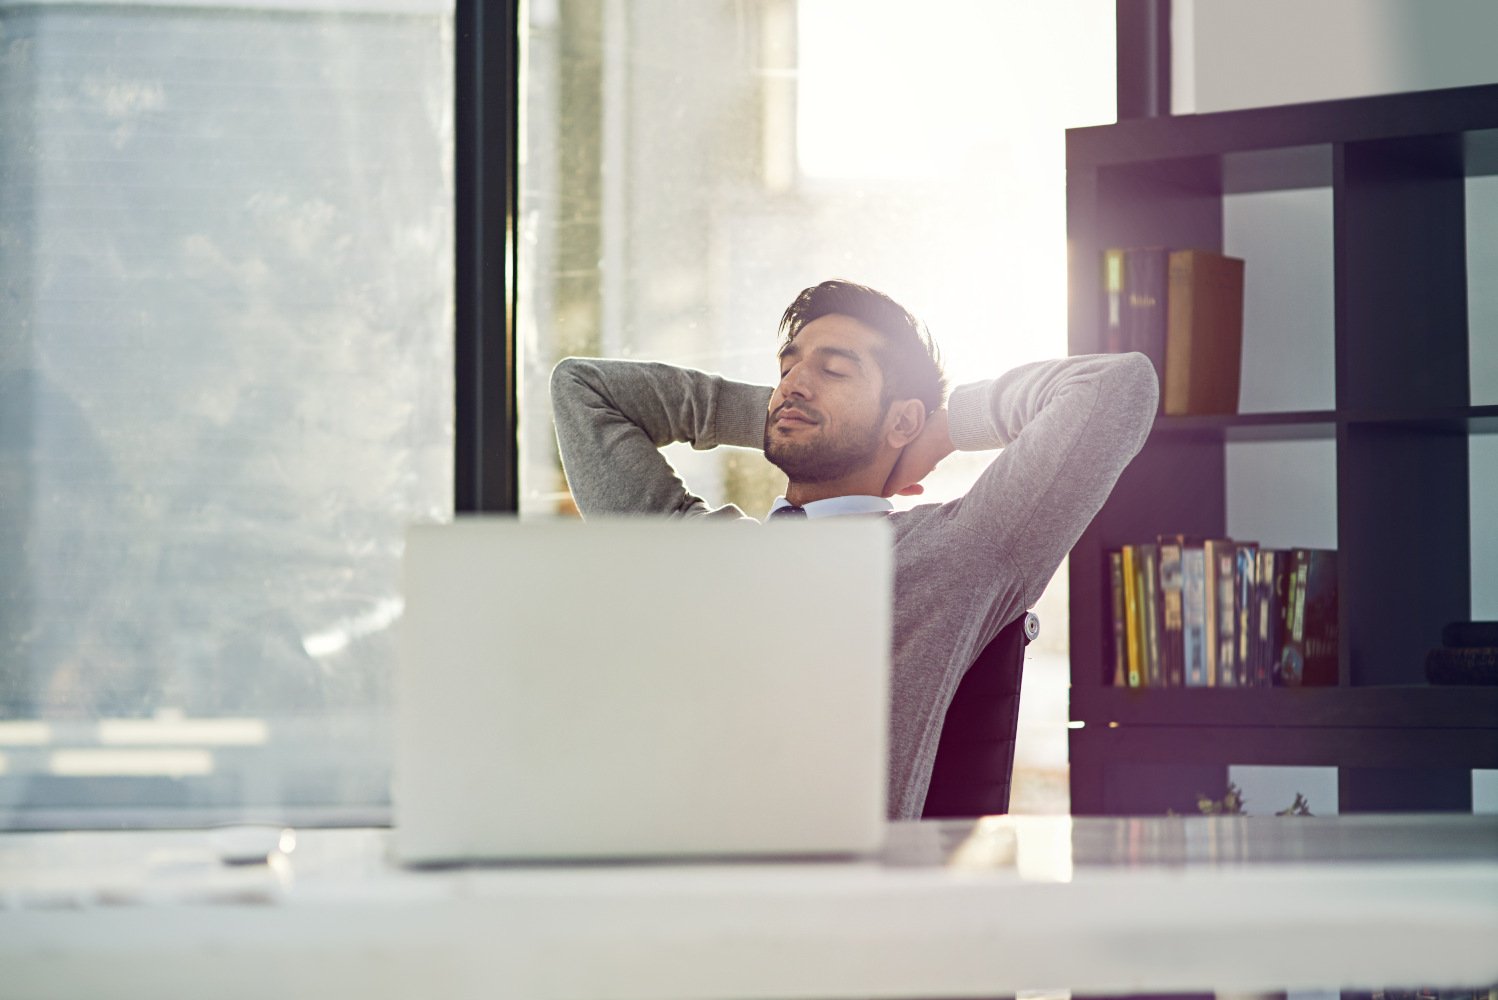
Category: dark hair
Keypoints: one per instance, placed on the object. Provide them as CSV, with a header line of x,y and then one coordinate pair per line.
x,y
908,357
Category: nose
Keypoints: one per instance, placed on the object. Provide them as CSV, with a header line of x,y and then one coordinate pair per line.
x,y
794,382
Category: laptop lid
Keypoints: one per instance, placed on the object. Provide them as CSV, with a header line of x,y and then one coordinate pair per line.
x,y
642,689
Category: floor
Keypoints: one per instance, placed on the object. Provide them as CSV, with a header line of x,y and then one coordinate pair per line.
x,y
1040,784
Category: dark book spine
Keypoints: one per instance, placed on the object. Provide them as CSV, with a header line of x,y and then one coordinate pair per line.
x,y
1462,665
1310,657
1284,576
1320,633
1172,624
1221,612
1266,654
1145,276
1291,665
1470,635
1118,626
1245,572
1149,606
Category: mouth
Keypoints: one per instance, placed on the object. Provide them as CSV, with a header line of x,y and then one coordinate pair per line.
x,y
791,417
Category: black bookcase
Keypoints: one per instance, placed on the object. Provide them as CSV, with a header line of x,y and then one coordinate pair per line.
x,y
1396,169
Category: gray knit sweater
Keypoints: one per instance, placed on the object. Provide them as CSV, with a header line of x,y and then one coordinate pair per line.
x,y
963,569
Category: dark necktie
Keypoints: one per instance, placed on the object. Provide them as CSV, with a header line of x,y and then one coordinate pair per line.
x,y
789,513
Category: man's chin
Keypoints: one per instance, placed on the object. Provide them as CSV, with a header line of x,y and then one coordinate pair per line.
x,y
801,467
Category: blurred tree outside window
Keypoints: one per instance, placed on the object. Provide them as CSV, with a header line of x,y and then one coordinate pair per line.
x,y
225,388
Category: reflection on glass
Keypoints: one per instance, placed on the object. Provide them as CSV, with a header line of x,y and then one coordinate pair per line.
x,y
225,389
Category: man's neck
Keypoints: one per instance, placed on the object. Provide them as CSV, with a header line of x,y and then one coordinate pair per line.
x,y
801,494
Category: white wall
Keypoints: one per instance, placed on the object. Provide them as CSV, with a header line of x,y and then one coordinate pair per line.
x,y
1227,54
1230,54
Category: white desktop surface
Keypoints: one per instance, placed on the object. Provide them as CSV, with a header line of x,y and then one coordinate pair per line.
x,y
948,909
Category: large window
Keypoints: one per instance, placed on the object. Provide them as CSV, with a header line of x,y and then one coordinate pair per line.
x,y
225,389
226,323
689,165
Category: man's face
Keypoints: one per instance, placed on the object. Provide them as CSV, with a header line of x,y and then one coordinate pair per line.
x,y
826,418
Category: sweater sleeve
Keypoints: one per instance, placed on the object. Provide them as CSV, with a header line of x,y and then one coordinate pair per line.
x,y
613,416
1067,429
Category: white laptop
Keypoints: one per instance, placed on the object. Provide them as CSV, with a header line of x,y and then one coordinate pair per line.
x,y
642,689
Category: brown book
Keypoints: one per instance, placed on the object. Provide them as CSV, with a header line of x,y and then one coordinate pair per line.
x,y
1203,333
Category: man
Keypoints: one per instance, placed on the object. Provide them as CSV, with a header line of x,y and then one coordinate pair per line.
x,y
856,417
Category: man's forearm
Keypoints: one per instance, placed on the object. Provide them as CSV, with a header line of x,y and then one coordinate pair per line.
x,y
1068,428
612,416
984,415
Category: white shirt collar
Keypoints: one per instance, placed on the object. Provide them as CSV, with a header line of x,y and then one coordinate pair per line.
x,y
838,506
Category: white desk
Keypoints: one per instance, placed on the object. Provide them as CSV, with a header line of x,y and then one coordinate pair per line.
x,y
950,909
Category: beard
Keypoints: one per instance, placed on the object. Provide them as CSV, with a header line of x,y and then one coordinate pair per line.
x,y
823,459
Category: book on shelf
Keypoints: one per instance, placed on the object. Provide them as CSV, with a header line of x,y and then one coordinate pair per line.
x,y
1222,558
1469,635
1468,654
1275,569
1145,273
1193,613
1245,608
1147,562
1218,612
1118,636
1309,658
1183,309
1172,625
1131,602
1203,333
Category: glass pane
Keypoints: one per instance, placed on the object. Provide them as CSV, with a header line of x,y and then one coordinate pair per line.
x,y
690,165
225,390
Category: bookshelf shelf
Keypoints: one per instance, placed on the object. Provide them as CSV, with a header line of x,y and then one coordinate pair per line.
x,y
1394,168
1288,426
1455,419
1322,424
1416,706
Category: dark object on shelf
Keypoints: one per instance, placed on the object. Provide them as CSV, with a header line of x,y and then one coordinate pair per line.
x,y
1145,275
1300,807
1467,635
1203,333
1470,665
1309,657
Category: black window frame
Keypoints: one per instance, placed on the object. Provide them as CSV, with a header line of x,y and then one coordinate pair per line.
x,y
486,145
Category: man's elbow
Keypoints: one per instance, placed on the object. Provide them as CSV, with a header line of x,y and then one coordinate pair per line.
x,y
1136,387
565,372
573,378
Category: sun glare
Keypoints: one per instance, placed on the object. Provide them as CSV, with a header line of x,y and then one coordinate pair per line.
x,y
964,107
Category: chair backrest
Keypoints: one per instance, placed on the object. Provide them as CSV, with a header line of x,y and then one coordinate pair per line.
x,y
975,758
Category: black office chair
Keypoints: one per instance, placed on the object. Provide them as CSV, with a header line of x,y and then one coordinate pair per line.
x,y
975,758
